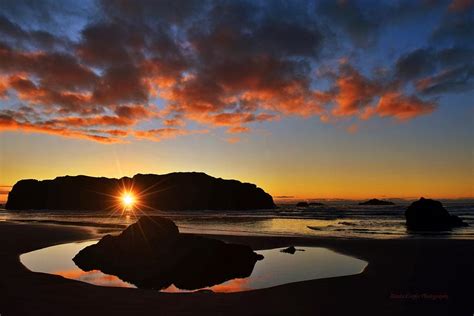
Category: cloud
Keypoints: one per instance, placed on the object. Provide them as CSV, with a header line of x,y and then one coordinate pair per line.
x,y
9,123
233,140
401,107
437,71
461,5
353,92
415,63
456,79
14,33
4,85
165,133
121,84
455,29
352,19
357,95
238,130
353,128
151,69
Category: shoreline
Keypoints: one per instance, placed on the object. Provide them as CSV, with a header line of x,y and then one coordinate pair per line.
x,y
113,227
403,276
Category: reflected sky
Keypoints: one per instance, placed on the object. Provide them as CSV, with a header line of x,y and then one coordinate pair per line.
x,y
276,268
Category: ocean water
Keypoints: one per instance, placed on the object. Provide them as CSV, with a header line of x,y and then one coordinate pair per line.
x,y
334,219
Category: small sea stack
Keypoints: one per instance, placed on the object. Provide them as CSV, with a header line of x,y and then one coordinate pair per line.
x,y
302,204
376,202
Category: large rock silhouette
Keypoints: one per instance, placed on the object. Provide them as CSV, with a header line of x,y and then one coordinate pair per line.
x,y
427,214
153,254
174,191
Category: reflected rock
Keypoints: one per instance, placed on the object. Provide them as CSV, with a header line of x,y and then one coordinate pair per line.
x,y
153,254
427,214
291,250
376,202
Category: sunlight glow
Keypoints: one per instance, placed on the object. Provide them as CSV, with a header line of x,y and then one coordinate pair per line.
x,y
128,200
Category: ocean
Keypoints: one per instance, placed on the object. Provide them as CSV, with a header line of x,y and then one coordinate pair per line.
x,y
334,219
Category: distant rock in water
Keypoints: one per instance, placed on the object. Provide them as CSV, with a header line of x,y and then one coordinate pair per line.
x,y
153,254
302,204
376,202
427,214
315,204
173,191
306,204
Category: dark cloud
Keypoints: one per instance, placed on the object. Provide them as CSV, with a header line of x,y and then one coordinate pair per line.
x,y
416,63
359,24
435,72
32,39
56,70
121,84
108,44
165,11
461,5
456,79
455,29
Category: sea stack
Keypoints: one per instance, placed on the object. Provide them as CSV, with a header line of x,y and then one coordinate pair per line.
x,y
427,214
376,202
173,191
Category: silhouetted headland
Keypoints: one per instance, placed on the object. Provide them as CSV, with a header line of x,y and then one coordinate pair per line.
x,y
173,191
153,254
427,214
376,202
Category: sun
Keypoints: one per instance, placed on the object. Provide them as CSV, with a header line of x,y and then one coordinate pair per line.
x,y
128,200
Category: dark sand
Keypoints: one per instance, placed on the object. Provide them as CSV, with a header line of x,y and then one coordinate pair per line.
x,y
398,271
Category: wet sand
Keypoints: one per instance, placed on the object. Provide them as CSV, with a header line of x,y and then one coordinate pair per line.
x,y
404,277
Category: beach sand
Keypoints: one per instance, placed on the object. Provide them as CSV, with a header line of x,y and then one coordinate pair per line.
x,y
404,277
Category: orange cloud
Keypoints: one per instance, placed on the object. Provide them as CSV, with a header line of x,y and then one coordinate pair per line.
x,y
233,140
402,107
354,93
4,85
165,133
238,129
10,124
353,128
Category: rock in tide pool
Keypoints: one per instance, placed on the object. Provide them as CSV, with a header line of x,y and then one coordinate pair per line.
x,y
291,250
153,254
427,214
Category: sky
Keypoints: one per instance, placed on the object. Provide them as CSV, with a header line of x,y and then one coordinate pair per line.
x,y
309,99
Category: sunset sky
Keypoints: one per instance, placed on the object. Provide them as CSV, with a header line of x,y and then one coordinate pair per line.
x,y
311,99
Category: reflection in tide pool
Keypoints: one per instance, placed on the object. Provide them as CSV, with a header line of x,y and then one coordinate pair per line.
x,y
58,260
275,269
